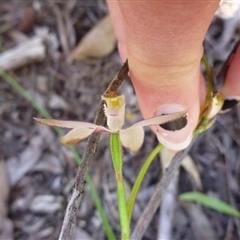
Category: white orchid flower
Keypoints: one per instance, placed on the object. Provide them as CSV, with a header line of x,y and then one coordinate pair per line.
x,y
114,108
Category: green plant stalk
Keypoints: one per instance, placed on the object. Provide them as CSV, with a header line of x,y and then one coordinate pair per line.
x,y
210,202
139,179
210,82
12,82
97,202
205,123
116,152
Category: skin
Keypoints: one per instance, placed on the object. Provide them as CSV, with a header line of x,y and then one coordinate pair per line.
x,y
163,43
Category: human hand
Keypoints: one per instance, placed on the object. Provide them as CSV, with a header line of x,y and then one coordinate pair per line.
x,y
163,43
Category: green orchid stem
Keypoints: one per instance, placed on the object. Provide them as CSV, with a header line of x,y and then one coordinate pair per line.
x,y
210,83
205,123
116,152
139,179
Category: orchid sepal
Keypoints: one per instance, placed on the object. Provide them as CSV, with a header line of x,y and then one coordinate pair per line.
x,y
160,119
76,135
65,123
80,130
132,137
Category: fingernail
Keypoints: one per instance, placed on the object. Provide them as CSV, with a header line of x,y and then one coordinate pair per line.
x,y
175,135
230,102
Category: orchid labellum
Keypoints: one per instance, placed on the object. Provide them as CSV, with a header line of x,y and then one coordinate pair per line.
x,y
114,108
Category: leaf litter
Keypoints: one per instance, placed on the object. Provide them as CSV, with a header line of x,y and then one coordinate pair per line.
x,y
40,168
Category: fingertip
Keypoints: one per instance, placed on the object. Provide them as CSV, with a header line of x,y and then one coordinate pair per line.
x,y
175,135
119,28
231,86
159,97
122,50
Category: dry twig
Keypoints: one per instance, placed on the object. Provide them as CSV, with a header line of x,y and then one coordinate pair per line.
x,y
169,199
89,152
157,196
62,30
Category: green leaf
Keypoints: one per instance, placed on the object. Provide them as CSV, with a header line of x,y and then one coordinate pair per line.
x,y
139,179
210,202
97,202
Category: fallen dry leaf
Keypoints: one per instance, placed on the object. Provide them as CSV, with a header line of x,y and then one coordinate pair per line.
x,y
58,102
99,42
200,224
79,233
49,163
169,199
20,165
167,210
4,188
46,204
165,158
187,163
6,226
27,19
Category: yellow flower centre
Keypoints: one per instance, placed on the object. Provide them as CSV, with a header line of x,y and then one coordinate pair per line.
x,y
116,102
114,110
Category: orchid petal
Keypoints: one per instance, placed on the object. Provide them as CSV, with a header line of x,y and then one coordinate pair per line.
x,y
132,137
65,124
78,134
160,119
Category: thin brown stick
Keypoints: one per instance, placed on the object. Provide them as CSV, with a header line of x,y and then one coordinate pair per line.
x,y
157,196
86,163
62,31
118,79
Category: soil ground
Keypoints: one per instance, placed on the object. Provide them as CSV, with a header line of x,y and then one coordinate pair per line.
x,y
42,170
